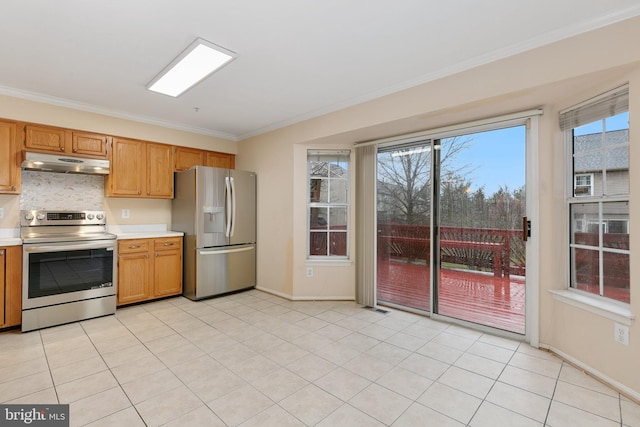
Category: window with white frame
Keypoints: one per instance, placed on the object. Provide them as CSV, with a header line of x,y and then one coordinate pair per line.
x,y
597,134
583,184
328,203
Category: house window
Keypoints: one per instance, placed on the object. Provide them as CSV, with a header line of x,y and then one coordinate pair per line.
x,y
328,203
597,134
582,186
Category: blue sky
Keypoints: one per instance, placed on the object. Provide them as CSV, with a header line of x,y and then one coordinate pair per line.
x,y
497,158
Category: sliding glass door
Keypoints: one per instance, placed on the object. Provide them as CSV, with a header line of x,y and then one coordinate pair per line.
x,y
450,217
404,192
482,203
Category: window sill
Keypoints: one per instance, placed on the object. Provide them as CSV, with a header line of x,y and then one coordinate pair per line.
x,y
618,312
329,262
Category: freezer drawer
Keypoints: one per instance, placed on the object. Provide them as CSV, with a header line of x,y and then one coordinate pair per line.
x,y
225,269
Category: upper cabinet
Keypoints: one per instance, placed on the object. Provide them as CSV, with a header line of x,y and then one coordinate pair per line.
x,y
186,157
72,143
140,169
220,160
10,158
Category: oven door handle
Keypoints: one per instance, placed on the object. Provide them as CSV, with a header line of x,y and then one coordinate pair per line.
x,y
60,247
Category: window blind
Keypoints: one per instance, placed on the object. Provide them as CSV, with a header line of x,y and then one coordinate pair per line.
x,y
366,225
602,106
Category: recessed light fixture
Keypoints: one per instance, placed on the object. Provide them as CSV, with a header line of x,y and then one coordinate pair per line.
x,y
195,63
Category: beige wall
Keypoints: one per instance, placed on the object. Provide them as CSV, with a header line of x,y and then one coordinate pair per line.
x,y
552,77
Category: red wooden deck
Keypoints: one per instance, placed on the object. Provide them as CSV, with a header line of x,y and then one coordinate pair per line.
x,y
472,296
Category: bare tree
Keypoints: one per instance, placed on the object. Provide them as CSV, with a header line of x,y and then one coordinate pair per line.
x,y
404,179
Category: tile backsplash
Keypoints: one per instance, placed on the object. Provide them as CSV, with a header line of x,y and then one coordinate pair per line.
x,y
61,191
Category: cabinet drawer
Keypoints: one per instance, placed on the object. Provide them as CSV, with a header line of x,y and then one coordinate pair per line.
x,y
167,243
131,246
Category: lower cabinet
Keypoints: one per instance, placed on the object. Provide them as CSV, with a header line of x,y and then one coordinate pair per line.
x,y
10,286
149,268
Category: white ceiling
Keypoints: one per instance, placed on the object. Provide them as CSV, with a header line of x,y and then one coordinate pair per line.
x,y
296,58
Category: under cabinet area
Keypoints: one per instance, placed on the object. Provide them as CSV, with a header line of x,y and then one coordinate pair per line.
x,y
10,286
149,269
72,143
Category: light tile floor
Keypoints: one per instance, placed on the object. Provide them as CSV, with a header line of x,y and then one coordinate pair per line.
x,y
253,359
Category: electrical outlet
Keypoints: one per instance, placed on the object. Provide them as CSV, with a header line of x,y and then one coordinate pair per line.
x,y
309,271
125,213
621,334
1,213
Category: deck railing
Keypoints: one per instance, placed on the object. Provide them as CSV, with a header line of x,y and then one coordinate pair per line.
x,y
486,249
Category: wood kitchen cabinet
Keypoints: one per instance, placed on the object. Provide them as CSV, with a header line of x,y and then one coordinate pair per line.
x,y
220,160
149,269
167,270
140,169
186,157
10,286
72,143
10,158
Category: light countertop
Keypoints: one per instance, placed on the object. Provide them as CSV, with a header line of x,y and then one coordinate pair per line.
x,y
142,231
10,237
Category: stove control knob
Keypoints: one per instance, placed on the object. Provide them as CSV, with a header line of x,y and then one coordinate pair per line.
x,y
40,217
90,216
100,216
28,216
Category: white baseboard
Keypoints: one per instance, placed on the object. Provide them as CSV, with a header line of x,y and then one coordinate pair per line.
x,y
310,298
628,392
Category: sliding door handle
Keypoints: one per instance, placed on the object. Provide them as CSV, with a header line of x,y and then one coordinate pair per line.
x,y
526,228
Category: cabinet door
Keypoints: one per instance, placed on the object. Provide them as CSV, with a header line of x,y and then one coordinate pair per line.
x,y
9,159
2,287
187,157
89,144
159,171
128,168
13,285
45,138
220,160
133,277
167,272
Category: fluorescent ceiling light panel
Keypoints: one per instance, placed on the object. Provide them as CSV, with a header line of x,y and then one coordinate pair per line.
x,y
195,63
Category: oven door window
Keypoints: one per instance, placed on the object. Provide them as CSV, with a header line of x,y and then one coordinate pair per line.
x,y
53,273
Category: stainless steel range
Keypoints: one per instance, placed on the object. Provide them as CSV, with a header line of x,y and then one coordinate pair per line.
x,y
69,267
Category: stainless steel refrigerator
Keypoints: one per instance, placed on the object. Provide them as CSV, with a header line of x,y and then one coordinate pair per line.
x,y
216,210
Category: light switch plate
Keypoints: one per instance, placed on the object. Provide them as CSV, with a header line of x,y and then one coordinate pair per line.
x,y
1,213
309,271
125,213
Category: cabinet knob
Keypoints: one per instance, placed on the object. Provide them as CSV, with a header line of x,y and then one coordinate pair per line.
x,y
148,193
1,251
61,148
139,192
75,150
168,244
147,256
156,254
13,188
134,247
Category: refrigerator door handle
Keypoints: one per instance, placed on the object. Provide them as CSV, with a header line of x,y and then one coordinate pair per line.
x,y
233,206
227,251
228,206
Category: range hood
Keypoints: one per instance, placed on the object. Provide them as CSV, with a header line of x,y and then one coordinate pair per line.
x,y
64,164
